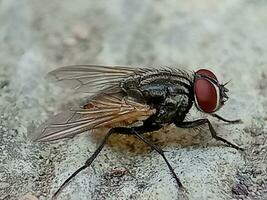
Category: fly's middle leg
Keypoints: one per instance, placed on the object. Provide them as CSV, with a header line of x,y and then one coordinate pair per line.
x,y
161,152
137,131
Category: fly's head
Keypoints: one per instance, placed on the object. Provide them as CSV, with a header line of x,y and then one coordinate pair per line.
x,y
209,94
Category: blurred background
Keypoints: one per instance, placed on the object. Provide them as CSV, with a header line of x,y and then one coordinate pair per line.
x,y
228,37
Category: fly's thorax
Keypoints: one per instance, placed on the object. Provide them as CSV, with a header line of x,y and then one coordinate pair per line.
x,y
185,103
173,108
170,93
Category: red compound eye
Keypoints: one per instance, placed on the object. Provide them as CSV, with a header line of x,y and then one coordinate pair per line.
x,y
207,73
207,94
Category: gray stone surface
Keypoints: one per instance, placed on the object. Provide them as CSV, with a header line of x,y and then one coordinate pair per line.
x,y
228,37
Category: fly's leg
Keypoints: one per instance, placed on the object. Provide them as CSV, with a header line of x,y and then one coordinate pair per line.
x,y
227,120
137,131
161,152
200,122
86,164
121,130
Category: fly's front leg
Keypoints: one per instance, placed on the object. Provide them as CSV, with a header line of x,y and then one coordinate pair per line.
x,y
200,122
237,121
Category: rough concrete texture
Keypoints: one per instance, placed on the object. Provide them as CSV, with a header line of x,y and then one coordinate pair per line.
x,y
228,37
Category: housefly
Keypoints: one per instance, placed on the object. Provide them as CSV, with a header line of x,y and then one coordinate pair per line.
x,y
122,96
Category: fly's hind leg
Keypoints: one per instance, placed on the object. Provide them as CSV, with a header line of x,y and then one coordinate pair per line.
x,y
200,122
86,164
137,131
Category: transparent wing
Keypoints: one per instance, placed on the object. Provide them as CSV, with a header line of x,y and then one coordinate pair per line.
x,y
92,78
95,78
103,111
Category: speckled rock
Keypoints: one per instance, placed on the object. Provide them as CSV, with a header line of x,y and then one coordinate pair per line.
x,y
229,37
